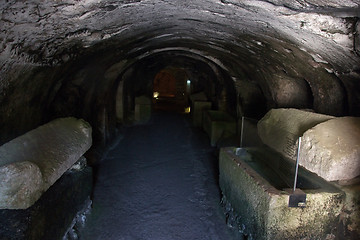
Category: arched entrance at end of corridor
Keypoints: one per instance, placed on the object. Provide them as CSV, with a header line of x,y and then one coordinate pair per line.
x,y
171,90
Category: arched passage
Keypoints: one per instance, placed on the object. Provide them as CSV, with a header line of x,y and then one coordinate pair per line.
x,y
165,84
139,79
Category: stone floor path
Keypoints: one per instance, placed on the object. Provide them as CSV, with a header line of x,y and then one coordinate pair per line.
x,y
159,182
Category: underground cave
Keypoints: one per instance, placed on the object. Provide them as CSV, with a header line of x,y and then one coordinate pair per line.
x,y
149,119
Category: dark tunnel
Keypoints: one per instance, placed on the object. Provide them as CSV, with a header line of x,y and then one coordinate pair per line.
x,y
114,64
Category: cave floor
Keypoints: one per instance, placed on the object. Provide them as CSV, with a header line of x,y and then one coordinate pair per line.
x,y
159,182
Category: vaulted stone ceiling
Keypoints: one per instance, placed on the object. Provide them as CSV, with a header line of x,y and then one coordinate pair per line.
x,y
60,57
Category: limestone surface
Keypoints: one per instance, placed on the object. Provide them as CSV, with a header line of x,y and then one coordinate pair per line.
x,y
281,128
19,184
31,163
288,92
332,149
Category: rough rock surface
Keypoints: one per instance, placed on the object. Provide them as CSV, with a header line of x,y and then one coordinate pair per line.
x,y
75,23
31,163
332,149
281,128
19,184
69,55
287,92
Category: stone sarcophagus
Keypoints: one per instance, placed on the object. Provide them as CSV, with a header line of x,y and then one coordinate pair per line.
x,y
257,193
143,109
45,183
329,156
218,125
197,110
33,162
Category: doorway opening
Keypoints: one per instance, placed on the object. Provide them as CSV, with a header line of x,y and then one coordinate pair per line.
x,y
171,90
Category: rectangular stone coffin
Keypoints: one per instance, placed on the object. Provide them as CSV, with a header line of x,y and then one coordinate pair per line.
x,y
256,192
143,109
31,163
199,104
217,125
197,109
